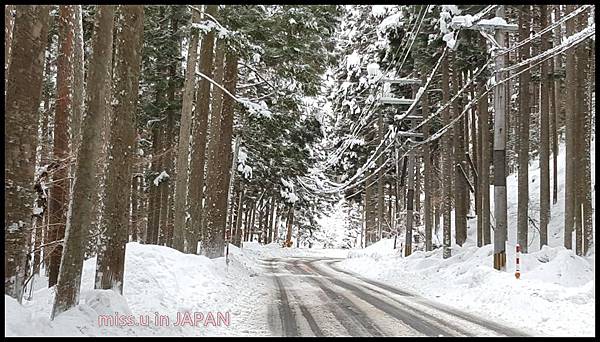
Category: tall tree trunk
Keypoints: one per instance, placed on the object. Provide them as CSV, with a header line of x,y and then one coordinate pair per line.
x,y
181,230
238,221
484,170
523,148
59,192
250,221
544,138
588,222
290,223
218,174
410,194
231,177
465,147
9,22
367,207
276,209
152,230
135,204
268,230
170,215
216,108
260,220
390,210
244,234
418,190
474,154
45,140
427,174
201,112
397,193
97,205
380,178
78,82
85,186
446,163
460,219
580,136
23,95
166,187
556,105
251,229
272,219
571,157
110,264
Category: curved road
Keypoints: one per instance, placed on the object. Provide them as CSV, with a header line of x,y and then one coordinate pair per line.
x,y
315,298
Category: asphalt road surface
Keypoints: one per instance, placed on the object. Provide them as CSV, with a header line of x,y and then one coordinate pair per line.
x,y
315,298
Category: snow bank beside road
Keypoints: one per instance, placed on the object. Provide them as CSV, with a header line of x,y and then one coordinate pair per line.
x,y
157,280
555,295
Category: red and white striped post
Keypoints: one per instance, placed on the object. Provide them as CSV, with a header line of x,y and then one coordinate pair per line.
x,y
518,267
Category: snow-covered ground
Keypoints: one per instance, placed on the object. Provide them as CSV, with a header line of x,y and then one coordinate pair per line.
x,y
157,280
555,295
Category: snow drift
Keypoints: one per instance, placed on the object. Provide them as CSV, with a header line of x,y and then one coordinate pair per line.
x,y
157,280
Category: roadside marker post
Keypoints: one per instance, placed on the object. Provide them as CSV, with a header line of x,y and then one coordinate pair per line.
x,y
518,259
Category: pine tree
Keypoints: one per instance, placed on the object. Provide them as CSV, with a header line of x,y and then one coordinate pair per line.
x,y
84,184
485,161
460,188
557,107
544,144
218,179
183,147
446,163
111,259
571,157
23,95
59,192
9,21
199,133
588,124
523,147
78,81
580,140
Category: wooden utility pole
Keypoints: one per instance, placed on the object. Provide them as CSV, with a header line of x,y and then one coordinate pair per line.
x,y
499,157
410,193
411,155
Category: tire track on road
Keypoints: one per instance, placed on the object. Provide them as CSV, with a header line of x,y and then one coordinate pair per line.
x,y
410,319
443,323
496,327
357,322
288,318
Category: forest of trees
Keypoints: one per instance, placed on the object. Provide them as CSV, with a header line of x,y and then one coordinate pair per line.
x,y
192,126
549,56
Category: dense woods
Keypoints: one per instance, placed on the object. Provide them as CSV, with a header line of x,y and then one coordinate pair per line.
x,y
195,126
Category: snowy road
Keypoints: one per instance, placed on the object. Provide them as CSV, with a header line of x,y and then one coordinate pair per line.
x,y
317,299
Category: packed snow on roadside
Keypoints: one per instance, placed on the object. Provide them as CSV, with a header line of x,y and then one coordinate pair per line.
x,y
157,280
555,295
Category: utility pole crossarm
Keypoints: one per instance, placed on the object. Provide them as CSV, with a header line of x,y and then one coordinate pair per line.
x,y
490,25
409,134
395,101
402,81
412,117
